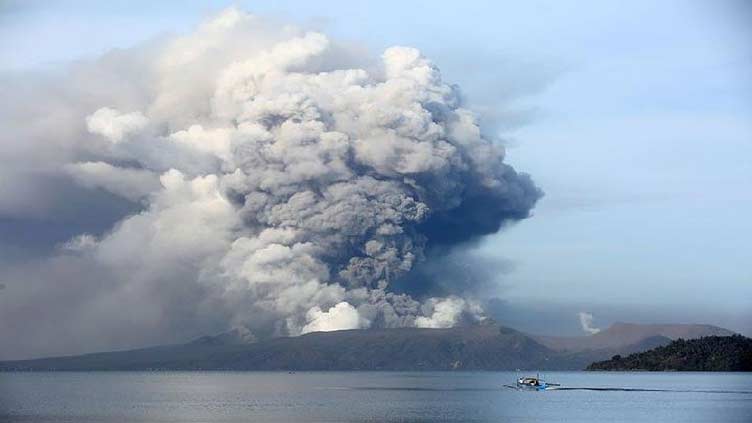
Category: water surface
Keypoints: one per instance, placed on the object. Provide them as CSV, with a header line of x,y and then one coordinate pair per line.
x,y
372,397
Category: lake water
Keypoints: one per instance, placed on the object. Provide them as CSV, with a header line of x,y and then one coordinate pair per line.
x,y
371,397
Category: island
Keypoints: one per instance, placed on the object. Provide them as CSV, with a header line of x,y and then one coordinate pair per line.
x,y
706,354
483,346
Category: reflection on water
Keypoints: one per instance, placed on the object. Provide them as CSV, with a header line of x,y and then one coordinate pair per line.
x,y
372,397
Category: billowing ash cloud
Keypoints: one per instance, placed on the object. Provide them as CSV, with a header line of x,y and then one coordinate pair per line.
x,y
586,322
284,182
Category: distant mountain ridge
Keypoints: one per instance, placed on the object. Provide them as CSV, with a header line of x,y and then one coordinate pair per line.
x,y
486,346
620,335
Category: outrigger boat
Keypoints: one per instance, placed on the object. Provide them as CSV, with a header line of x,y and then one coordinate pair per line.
x,y
534,383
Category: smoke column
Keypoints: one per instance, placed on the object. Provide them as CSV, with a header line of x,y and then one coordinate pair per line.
x,y
284,182
586,321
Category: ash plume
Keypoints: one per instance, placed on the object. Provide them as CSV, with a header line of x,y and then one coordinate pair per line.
x,y
282,182
586,322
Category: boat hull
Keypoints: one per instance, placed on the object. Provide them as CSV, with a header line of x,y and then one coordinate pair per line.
x,y
531,384
527,387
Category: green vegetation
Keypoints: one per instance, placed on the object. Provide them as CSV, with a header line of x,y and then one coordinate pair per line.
x,y
710,354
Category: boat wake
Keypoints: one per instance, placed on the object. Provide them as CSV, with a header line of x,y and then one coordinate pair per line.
x,y
609,389
411,388
550,388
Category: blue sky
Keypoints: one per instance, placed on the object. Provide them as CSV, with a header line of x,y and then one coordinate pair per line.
x,y
635,120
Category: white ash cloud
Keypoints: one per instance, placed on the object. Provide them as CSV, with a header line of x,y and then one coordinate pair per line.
x,y
132,184
285,181
586,322
338,317
114,125
447,312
